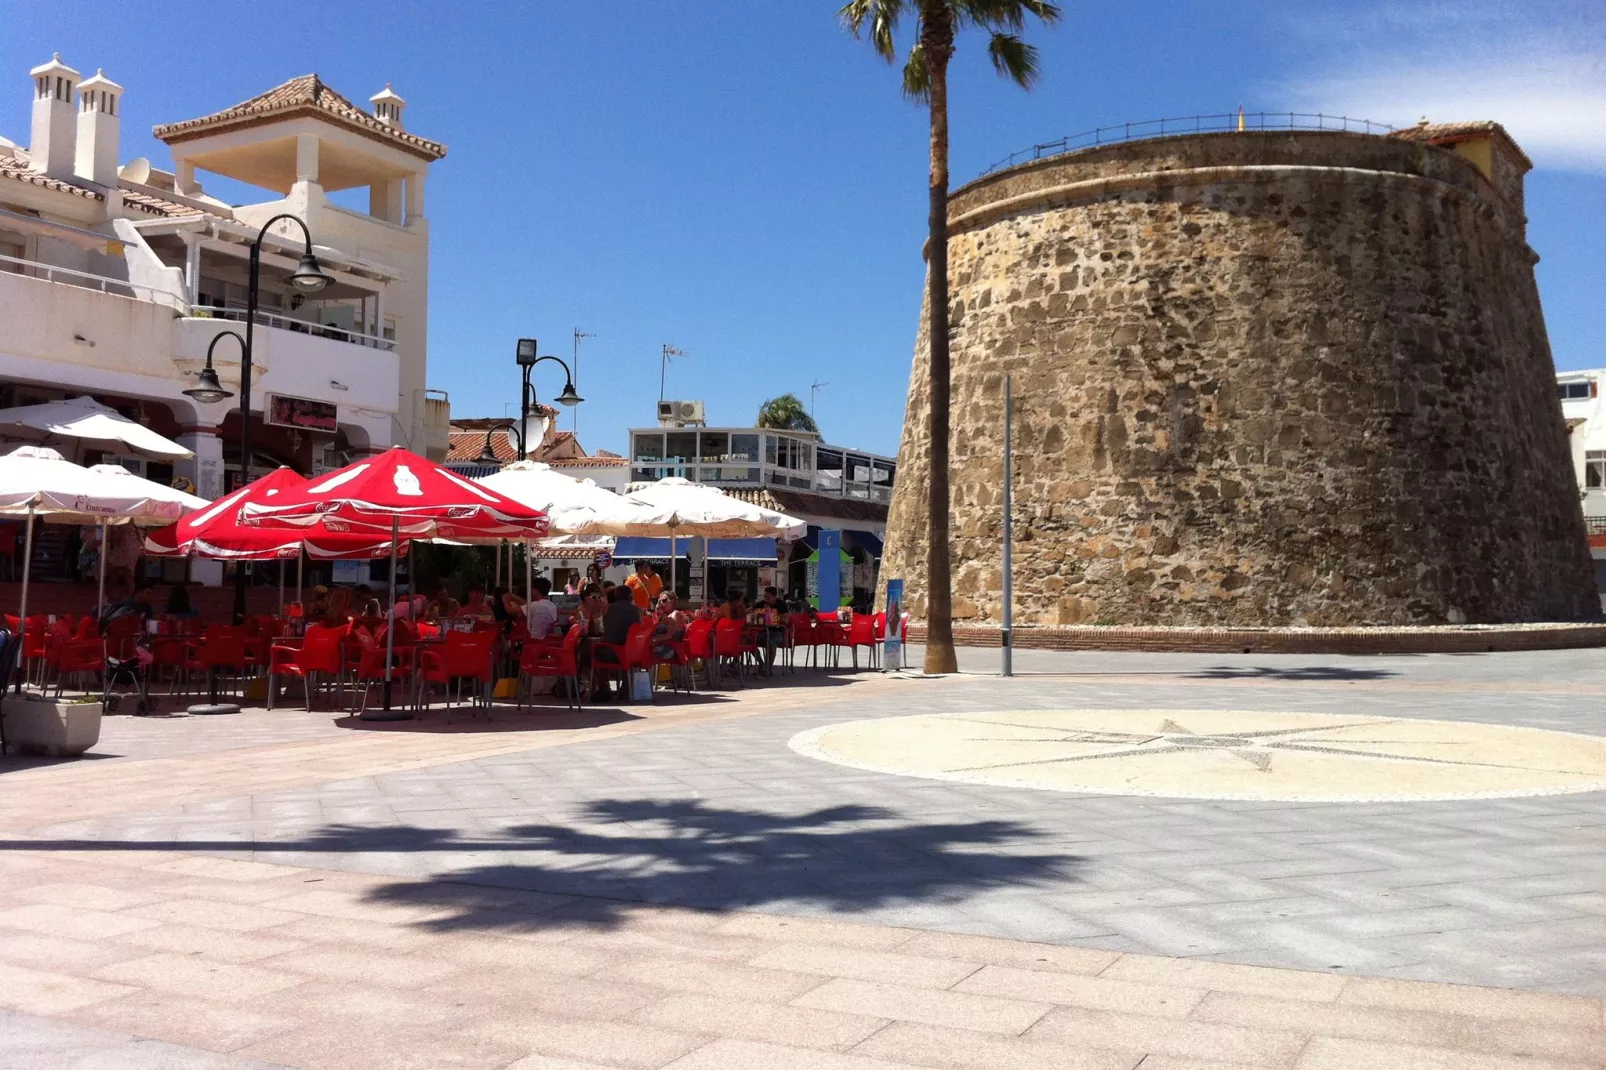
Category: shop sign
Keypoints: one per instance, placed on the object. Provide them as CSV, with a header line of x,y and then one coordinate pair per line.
x,y
603,559
303,413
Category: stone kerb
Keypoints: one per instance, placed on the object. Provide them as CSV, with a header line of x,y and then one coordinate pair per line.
x,y
1472,639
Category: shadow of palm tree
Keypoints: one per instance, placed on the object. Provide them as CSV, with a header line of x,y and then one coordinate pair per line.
x,y
623,852
1298,672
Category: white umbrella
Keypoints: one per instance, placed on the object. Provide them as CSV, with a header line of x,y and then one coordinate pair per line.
x,y
36,481
86,419
698,509
158,492
574,507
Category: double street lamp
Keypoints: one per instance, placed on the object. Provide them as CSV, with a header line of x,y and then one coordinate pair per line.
x,y
307,278
527,360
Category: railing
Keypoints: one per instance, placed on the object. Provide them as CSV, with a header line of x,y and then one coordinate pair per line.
x,y
71,277
1193,124
828,484
1595,525
290,323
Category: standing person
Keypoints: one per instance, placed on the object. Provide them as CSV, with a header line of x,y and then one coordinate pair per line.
x,y
540,614
122,549
645,586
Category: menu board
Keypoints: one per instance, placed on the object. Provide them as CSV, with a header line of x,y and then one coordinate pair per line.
x,y
304,413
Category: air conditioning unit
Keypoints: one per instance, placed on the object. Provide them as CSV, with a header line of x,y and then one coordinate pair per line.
x,y
680,413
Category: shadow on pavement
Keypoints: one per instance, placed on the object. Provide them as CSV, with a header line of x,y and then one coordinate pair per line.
x,y
1293,672
620,853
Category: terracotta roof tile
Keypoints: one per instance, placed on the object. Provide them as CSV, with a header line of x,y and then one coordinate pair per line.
x,y
303,94
594,461
1450,133
20,172
466,446
145,202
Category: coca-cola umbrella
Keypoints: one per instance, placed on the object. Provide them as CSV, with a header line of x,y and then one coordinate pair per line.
x,y
405,496
216,532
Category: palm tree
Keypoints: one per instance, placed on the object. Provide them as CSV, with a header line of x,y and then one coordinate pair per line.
x,y
925,77
786,413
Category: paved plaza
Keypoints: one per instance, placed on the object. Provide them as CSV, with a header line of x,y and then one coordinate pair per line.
x,y
1112,860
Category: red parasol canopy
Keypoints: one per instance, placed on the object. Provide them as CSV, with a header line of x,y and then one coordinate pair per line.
x,y
216,531
401,492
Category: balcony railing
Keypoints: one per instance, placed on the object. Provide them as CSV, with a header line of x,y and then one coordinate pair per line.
x,y
36,269
1595,525
290,323
731,474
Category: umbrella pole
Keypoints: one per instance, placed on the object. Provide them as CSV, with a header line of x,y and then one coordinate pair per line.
x,y
100,598
387,714
301,560
528,572
672,593
281,588
497,581
22,610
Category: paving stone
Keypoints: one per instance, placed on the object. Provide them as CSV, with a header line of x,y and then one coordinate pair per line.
x,y
359,1044
1328,1053
746,1054
829,961
732,1016
1267,1047
1131,997
776,985
620,1044
76,923
43,992
191,976
964,1049
1227,977
191,1021
988,1014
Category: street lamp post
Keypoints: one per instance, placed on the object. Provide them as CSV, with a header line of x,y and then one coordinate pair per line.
x,y
527,360
308,279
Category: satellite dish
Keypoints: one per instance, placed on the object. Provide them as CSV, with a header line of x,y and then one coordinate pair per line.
x,y
136,170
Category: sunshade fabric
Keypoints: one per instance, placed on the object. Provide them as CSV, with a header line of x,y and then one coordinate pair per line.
x,y
628,549
574,507
67,493
216,531
87,419
698,509
402,492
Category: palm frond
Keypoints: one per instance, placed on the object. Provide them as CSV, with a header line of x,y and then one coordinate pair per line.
x,y
1005,16
1013,58
916,75
882,17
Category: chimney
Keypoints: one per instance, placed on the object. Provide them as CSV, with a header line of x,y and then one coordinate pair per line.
x,y
388,107
99,108
50,142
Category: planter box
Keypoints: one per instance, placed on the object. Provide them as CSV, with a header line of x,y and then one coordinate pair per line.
x,y
57,729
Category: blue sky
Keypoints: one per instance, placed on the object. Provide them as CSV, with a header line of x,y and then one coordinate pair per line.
x,y
742,179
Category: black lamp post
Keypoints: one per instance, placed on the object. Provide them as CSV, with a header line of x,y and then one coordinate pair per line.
x,y
527,360
307,278
207,390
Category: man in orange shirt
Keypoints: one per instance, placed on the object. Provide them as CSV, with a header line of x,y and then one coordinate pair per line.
x,y
645,586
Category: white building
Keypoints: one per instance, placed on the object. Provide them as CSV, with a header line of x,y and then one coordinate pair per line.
x,y
115,279
1583,408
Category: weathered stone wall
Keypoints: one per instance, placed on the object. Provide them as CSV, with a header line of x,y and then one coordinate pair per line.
x,y
1259,379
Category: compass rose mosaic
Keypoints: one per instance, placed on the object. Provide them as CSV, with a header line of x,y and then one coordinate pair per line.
x,y
1220,754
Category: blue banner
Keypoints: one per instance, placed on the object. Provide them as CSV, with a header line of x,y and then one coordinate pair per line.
x,y
830,575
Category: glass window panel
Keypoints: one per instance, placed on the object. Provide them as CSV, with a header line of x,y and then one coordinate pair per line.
x,y
647,446
680,445
715,445
744,448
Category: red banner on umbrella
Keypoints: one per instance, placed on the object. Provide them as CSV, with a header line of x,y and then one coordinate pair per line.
x,y
216,531
396,491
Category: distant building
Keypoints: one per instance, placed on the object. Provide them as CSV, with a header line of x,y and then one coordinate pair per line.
x,y
471,436
114,279
794,472
1581,406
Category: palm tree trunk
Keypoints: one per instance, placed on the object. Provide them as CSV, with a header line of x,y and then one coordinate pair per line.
x,y
937,36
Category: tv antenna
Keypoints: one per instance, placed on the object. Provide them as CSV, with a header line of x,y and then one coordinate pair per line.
x,y
663,367
814,389
578,334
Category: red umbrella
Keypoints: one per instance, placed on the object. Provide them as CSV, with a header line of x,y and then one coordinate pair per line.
x,y
216,531
397,493
411,497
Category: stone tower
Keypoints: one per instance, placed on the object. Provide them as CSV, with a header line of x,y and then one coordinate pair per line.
x,y
1261,378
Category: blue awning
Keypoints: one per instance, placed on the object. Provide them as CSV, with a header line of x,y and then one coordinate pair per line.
x,y
628,549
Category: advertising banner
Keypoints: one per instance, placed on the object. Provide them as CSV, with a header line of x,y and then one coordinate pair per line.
x,y
892,648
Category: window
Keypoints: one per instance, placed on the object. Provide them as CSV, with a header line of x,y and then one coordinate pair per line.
x,y
1595,469
1576,391
647,447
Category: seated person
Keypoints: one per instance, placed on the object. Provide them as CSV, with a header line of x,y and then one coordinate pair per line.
x,y
442,604
621,615
540,614
735,606
317,610
363,602
136,603
771,617
670,628
178,602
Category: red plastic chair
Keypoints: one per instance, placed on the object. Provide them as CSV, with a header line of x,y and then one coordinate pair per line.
x,y
860,632
86,628
371,670
319,652
121,632
553,659
732,647
34,641
619,658
697,645
221,648
463,656
76,657
802,633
